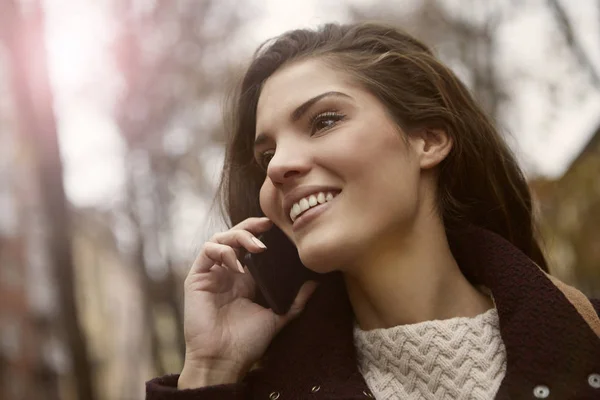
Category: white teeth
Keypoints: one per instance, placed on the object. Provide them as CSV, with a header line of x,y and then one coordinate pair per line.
x,y
304,205
308,202
295,210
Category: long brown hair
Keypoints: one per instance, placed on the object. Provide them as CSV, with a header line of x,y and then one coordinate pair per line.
x,y
479,182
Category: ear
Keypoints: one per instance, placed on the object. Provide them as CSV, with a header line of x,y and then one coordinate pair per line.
x,y
433,146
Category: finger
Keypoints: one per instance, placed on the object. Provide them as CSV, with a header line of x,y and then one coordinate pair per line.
x,y
234,238
304,294
239,239
255,225
216,253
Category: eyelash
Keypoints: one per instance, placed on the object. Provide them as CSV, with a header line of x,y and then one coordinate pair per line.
x,y
313,120
324,116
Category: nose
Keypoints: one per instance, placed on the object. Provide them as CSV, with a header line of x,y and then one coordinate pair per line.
x,y
288,163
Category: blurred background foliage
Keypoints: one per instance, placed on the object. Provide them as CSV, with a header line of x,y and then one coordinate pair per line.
x,y
91,292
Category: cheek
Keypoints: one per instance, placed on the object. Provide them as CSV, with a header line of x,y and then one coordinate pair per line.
x,y
268,200
385,181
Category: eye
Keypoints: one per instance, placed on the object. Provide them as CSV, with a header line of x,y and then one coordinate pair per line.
x,y
324,121
264,158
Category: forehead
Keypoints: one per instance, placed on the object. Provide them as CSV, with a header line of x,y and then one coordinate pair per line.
x,y
296,83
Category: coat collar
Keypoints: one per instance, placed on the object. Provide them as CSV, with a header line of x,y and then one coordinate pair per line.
x,y
550,335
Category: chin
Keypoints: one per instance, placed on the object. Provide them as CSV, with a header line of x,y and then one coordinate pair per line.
x,y
319,258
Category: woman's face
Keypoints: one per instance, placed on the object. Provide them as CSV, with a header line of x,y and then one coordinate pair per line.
x,y
316,131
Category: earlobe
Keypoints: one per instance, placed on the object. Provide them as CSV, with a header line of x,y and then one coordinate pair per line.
x,y
436,147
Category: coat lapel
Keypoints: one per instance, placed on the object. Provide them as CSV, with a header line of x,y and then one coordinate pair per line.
x,y
548,342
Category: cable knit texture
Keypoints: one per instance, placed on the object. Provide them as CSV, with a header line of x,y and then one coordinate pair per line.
x,y
457,358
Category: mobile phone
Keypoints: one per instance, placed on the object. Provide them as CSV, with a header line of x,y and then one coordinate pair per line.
x,y
278,271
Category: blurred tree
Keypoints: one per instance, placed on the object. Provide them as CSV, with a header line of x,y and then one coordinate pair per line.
x,y
569,208
23,35
174,63
575,45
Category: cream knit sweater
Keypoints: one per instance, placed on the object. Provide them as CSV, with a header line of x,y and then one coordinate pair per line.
x,y
457,358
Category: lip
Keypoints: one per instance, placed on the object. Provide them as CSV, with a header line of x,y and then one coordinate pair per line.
x,y
310,215
302,191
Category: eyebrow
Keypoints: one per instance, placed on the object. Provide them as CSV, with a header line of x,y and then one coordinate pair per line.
x,y
300,111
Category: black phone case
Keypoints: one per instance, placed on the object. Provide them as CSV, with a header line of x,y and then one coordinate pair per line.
x,y
278,282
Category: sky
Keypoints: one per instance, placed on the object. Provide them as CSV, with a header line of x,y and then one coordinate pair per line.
x,y
545,140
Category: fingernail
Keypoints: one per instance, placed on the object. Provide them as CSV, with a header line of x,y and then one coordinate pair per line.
x,y
240,266
259,243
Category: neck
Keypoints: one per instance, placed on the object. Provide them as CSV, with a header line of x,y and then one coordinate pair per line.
x,y
411,278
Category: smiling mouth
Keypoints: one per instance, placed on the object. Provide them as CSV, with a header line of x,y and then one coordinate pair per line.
x,y
313,201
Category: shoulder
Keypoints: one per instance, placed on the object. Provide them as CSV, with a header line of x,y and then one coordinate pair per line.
x,y
587,308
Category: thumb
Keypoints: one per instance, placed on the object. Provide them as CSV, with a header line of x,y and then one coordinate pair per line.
x,y
305,292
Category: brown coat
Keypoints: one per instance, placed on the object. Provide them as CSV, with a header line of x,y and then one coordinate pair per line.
x,y
551,332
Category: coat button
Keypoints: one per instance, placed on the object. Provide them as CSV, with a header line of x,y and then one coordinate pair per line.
x,y
367,394
274,395
594,381
315,389
541,392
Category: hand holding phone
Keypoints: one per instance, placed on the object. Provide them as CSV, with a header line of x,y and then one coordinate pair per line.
x,y
226,330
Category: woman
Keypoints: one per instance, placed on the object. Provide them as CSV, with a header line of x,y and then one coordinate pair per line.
x,y
434,285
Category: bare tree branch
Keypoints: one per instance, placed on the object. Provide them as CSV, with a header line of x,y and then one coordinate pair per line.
x,y
575,45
